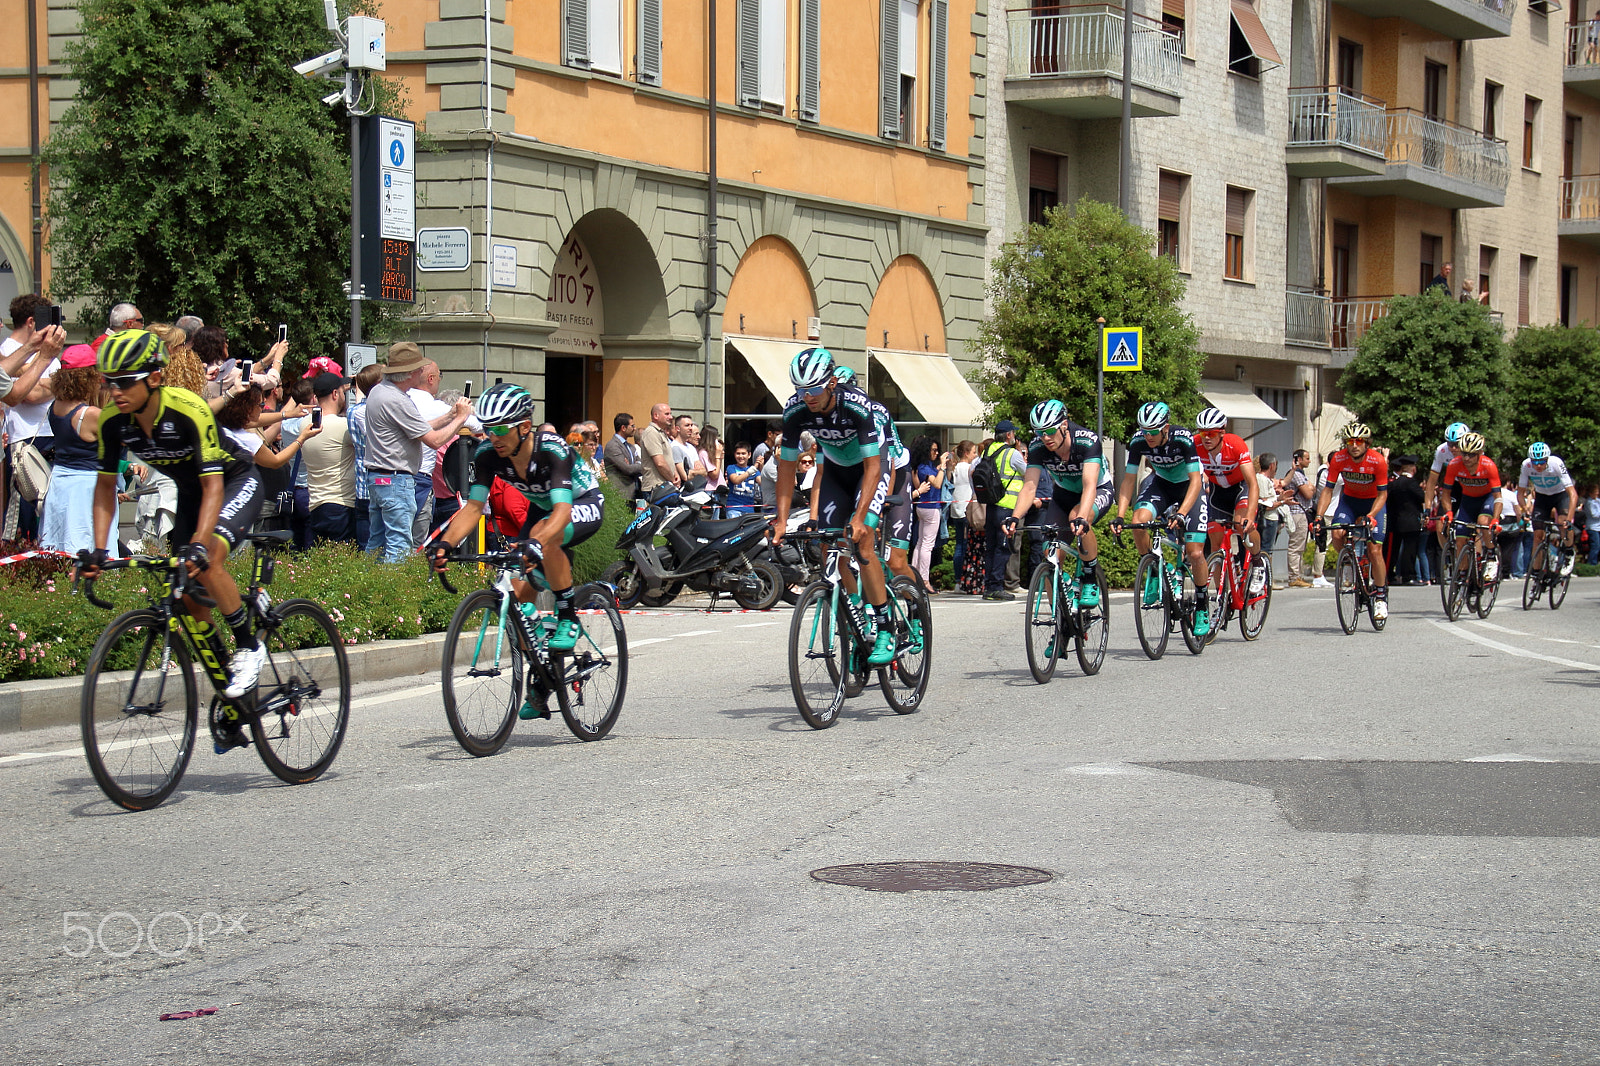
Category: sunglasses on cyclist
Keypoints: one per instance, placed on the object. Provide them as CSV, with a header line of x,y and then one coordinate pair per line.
x,y
124,382
816,390
501,431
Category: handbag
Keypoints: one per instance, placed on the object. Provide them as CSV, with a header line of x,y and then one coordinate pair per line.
x,y
977,515
30,470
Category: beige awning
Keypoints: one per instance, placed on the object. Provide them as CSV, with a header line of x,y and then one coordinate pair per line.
x,y
770,360
1255,34
1238,400
934,385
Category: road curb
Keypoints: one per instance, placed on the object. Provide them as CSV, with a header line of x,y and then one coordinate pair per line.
x,y
26,705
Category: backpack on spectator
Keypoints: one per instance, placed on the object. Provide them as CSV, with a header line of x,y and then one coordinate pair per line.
x,y
988,486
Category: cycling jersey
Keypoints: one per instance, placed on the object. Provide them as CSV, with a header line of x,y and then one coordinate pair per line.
x,y
848,433
1158,495
553,475
1480,482
1441,457
183,444
1364,478
1225,466
893,452
1067,470
1173,461
1547,482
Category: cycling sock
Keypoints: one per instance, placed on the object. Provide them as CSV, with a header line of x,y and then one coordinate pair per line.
x,y
1088,567
881,612
565,604
239,622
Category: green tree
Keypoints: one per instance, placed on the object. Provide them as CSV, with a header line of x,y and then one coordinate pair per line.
x,y
1431,361
196,172
1041,341
1555,375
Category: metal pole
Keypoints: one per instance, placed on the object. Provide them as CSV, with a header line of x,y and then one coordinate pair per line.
x,y
1100,388
711,211
1125,163
355,229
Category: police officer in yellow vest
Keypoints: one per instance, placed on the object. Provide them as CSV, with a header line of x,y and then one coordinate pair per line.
x,y
997,545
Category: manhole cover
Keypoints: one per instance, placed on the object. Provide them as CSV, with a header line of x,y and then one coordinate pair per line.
x,y
931,876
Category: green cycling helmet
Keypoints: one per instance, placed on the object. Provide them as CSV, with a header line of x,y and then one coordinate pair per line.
x,y
843,375
1047,415
811,368
505,404
131,351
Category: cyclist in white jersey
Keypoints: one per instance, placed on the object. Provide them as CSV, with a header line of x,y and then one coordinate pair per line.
x,y
1450,449
1545,489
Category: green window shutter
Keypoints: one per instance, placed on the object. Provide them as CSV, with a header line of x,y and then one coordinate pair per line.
x,y
938,61
749,57
810,60
889,68
575,33
647,64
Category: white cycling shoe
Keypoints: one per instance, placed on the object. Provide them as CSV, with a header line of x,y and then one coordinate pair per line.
x,y
1380,609
245,670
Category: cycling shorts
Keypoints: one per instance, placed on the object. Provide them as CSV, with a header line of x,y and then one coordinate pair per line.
x,y
588,511
1351,508
897,516
1058,512
241,506
838,493
1549,506
1225,499
1157,494
1468,508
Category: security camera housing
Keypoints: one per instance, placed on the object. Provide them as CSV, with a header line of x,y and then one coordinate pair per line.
x,y
322,65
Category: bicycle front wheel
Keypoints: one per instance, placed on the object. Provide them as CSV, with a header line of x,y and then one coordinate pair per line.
x,y
483,673
1487,597
138,711
1187,594
1042,636
905,681
594,674
302,704
1456,590
1533,582
1558,585
1093,625
1347,590
817,669
1151,619
1256,603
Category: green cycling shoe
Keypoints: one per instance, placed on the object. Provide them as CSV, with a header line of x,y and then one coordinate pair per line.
x,y
565,635
1089,594
882,648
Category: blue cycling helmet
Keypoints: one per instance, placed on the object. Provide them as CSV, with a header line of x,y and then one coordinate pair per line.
x,y
1455,431
1154,416
1539,451
811,367
843,375
1047,416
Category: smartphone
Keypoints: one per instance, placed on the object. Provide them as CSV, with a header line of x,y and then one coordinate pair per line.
x,y
316,418
283,333
244,371
466,390
47,316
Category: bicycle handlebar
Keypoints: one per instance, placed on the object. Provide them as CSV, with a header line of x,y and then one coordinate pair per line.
x,y
180,586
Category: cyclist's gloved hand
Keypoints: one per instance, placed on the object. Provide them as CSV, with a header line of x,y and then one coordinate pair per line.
x,y
1116,526
1079,526
90,560
437,551
1010,526
196,556
532,554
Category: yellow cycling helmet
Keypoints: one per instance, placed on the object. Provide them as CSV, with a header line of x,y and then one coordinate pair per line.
x,y
131,351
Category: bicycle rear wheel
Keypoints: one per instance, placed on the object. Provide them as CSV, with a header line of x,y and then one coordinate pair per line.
x,y
1455,597
1152,620
1486,597
1347,590
593,676
1448,558
1187,608
1093,626
302,704
1256,604
483,672
1533,580
1042,630
1221,576
905,681
138,711
817,654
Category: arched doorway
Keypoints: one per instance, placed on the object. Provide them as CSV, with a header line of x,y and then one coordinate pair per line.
x,y
909,371
771,313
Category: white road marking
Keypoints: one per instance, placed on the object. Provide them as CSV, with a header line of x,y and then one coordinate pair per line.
x,y
651,640
698,633
1509,757
756,625
1498,629
1511,650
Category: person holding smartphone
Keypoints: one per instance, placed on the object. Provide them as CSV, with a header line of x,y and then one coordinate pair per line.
x,y
330,462
27,413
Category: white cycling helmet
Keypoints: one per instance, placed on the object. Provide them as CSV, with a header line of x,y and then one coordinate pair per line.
x,y
1047,415
1455,431
1539,451
1211,418
504,404
811,367
1154,416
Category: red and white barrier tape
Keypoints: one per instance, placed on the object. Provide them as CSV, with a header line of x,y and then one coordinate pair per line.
x,y
9,559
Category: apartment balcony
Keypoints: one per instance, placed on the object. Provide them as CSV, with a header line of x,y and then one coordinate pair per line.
x,y
1068,61
1461,20
1334,132
1308,318
1582,71
1436,162
1352,316
1580,209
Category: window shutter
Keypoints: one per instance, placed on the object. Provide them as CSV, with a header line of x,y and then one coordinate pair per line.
x,y
810,60
1238,200
889,68
1172,7
938,48
1525,291
575,33
749,71
1044,171
648,63
1170,196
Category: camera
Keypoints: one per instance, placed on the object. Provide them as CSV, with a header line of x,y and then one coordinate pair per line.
x,y
316,418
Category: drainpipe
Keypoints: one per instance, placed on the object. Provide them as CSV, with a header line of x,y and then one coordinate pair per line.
x,y
710,301
488,198
36,206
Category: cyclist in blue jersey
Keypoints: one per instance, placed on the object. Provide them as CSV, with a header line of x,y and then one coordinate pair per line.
x,y
1176,478
1071,455
896,467
852,488
1547,491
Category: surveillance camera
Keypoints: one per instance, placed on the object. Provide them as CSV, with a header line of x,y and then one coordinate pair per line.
x,y
323,64
333,98
330,12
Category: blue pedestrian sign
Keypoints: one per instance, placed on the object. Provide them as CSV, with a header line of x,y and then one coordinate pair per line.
x,y
397,153
1121,348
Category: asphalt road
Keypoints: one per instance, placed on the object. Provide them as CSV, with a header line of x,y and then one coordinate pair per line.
x,y
1310,849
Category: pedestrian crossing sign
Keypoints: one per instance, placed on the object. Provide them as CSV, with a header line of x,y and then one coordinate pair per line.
x,y
1121,348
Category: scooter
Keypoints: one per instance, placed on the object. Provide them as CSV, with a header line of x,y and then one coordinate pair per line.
x,y
720,556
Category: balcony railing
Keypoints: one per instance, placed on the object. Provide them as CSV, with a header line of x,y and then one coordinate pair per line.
x,y
1085,41
1580,198
1336,117
1445,148
1308,317
1583,44
1353,316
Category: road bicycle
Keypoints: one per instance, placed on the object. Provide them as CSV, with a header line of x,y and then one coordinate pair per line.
x,y
1447,559
1054,616
1164,591
1549,571
140,705
830,638
497,655
1352,576
1241,584
1475,578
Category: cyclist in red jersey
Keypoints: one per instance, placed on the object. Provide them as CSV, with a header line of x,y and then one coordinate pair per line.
x,y
1471,490
1230,473
1364,494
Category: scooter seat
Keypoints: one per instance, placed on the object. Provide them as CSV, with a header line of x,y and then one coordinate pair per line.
x,y
717,528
